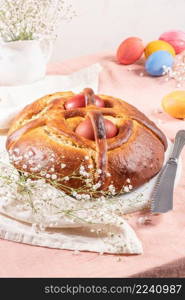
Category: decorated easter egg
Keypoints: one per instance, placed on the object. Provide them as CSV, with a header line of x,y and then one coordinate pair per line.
x,y
176,39
157,62
130,50
79,101
174,104
158,45
85,129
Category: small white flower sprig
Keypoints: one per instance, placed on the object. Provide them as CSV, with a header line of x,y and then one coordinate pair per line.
x,y
88,189
177,72
23,186
40,202
32,19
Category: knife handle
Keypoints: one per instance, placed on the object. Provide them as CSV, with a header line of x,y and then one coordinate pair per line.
x,y
178,145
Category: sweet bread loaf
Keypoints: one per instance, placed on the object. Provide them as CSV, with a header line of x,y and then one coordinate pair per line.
x,y
121,147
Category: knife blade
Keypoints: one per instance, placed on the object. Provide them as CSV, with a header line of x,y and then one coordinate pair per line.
x,y
162,195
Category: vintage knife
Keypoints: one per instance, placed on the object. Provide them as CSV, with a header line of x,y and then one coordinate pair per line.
x,y
162,195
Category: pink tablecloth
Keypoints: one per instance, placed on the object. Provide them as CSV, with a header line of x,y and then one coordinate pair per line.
x,y
163,243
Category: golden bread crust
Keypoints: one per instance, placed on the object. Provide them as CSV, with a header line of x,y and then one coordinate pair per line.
x,y
42,140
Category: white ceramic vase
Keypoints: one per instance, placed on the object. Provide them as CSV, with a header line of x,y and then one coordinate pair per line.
x,y
23,62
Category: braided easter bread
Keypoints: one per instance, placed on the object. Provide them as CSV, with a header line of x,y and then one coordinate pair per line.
x,y
100,137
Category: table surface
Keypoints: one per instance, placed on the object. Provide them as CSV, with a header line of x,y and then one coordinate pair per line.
x,y
163,241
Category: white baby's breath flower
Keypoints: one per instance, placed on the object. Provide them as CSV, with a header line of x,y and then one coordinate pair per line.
x,y
53,176
63,166
126,189
74,193
112,189
88,181
99,171
32,19
96,186
83,172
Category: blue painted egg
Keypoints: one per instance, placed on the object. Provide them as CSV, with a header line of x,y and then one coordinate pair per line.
x,y
157,61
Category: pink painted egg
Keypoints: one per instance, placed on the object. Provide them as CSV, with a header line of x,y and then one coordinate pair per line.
x,y
130,50
176,39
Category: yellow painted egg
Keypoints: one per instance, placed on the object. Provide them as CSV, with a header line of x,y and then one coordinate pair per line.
x,y
158,45
174,104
